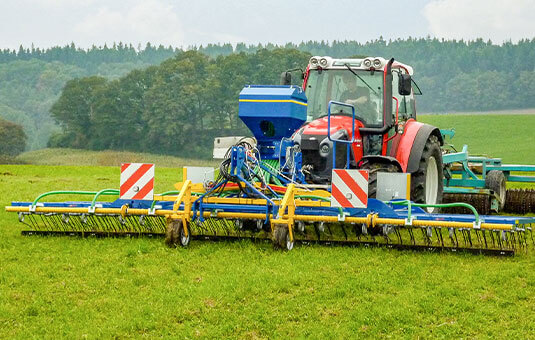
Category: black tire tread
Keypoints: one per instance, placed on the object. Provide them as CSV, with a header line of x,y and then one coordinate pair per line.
x,y
373,169
431,148
495,181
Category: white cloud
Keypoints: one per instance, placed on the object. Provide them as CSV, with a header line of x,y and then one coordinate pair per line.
x,y
144,21
498,20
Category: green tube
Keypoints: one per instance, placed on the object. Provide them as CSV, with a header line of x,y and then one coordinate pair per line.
x,y
172,192
443,205
51,193
103,192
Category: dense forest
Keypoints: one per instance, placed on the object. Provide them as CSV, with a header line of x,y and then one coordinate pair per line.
x,y
12,140
197,88
176,108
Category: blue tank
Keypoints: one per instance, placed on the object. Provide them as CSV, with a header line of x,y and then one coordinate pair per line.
x,y
272,113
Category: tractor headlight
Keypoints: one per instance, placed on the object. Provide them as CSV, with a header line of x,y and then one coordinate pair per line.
x,y
314,61
367,62
323,62
324,150
377,63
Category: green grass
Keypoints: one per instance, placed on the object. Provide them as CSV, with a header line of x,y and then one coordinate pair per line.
x,y
119,288
78,157
510,137
53,287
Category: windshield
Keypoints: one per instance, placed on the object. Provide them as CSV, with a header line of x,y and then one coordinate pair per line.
x,y
364,92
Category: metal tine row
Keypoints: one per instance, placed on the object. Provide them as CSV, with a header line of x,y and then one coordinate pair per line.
x,y
430,236
406,235
95,223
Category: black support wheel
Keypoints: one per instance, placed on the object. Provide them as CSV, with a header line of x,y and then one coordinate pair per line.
x,y
184,240
172,233
175,234
427,183
495,181
281,237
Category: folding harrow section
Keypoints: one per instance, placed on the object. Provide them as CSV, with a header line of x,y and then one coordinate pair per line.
x,y
240,204
293,218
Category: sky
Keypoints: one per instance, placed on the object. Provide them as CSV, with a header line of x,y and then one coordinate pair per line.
x,y
183,23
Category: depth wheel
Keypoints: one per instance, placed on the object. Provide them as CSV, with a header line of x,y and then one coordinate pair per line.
x,y
172,233
281,237
184,240
427,185
176,235
495,181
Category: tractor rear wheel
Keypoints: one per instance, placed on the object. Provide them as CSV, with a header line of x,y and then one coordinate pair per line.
x,y
427,185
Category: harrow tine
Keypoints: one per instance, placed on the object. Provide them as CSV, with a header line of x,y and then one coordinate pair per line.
x,y
425,236
209,225
344,230
485,238
439,236
456,238
411,233
494,240
329,229
478,237
54,219
398,235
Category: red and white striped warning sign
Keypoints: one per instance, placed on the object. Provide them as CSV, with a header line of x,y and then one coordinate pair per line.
x,y
137,181
349,188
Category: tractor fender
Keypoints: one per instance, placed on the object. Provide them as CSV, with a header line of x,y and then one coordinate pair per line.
x,y
417,148
380,159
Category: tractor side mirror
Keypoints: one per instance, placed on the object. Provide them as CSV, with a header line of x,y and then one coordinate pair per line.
x,y
286,78
405,84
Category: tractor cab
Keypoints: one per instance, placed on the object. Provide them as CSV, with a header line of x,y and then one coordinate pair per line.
x,y
357,82
377,92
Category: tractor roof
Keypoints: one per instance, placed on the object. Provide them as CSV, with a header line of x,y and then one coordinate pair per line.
x,y
355,63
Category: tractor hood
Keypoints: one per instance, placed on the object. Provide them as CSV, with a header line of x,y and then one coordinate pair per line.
x,y
338,122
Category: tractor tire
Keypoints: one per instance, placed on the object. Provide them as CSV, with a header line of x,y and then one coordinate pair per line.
x,y
373,169
495,181
427,184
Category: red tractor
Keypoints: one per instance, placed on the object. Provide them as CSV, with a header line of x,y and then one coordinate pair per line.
x,y
368,103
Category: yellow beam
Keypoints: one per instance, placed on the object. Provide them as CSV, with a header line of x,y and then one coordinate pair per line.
x,y
369,220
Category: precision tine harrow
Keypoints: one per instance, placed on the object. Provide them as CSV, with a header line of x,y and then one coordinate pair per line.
x,y
279,188
294,215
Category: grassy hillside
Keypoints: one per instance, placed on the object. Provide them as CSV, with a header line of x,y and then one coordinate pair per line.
x,y
137,288
509,136
76,157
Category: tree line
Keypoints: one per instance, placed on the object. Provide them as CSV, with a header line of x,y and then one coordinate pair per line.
x,y
175,108
455,75
12,140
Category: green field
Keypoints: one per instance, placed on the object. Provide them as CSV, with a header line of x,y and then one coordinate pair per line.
x,y
54,287
510,137
104,158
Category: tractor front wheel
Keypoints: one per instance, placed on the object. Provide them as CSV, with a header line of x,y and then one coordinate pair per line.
x,y
427,185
